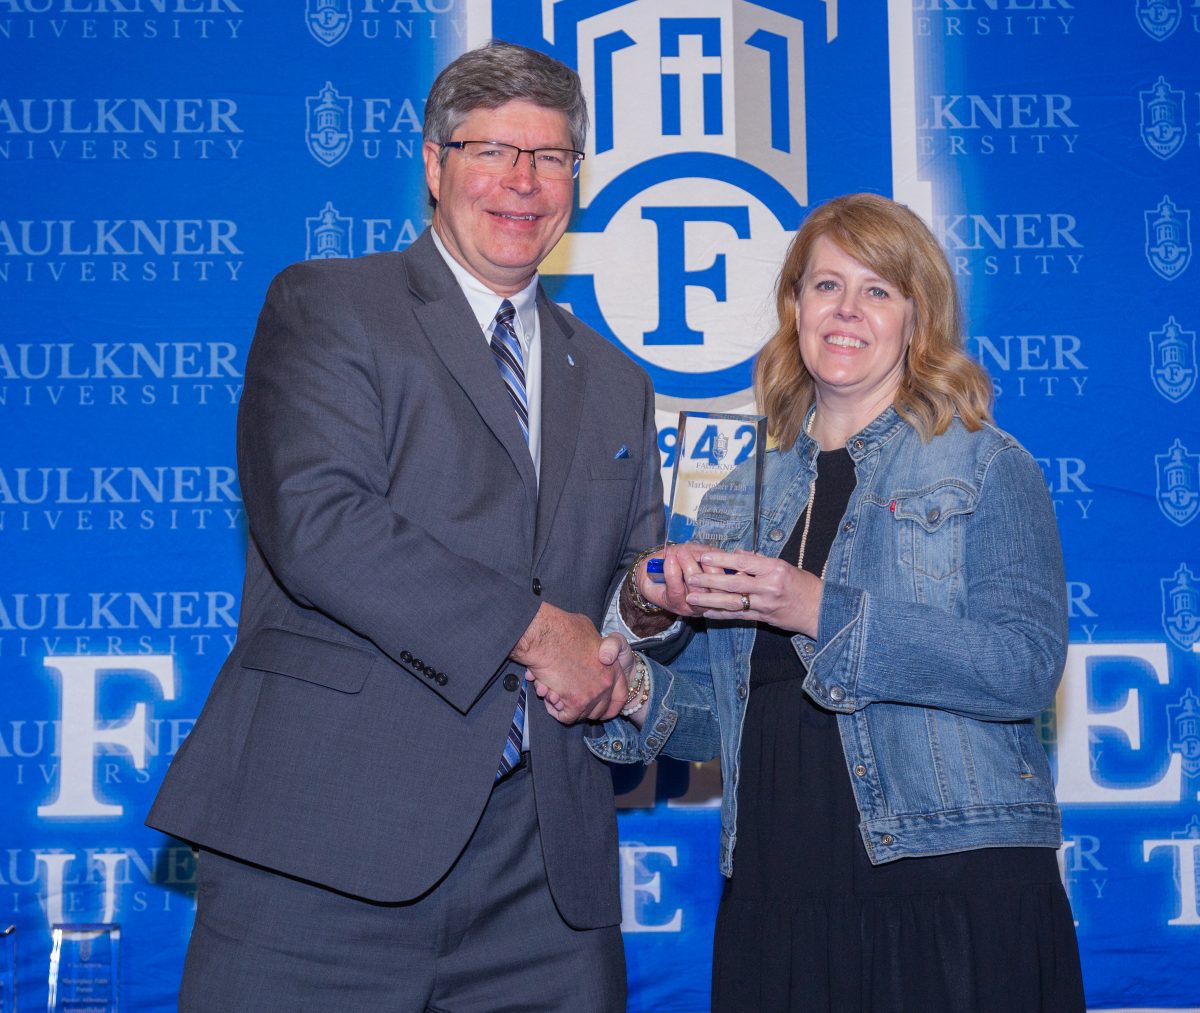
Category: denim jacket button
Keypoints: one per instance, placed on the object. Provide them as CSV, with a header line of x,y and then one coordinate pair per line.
x,y
933,515
837,693
616,746
848,526
808,648
663,726
888,839
742,691
652,742
860,769
859,444
775,534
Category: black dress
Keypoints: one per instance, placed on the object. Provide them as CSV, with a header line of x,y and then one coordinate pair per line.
x,y
808,923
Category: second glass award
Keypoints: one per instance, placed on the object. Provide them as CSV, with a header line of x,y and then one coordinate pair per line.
x,y
8,969
84,968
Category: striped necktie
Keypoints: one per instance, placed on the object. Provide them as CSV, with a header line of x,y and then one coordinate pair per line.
x,y
511,363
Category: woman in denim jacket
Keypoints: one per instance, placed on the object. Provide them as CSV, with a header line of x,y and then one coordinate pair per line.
x,y
870,676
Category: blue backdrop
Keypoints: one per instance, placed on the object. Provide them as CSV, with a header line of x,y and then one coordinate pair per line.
x,y
161,159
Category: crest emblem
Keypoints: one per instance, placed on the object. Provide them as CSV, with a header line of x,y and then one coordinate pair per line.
x,y
328,235
1168,239
686,75
1173,361
1181,609
1159,18
1178,484
1184,722
329,133
328,20
1163,125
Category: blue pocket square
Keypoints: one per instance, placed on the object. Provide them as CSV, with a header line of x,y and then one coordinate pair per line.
x,y
621,454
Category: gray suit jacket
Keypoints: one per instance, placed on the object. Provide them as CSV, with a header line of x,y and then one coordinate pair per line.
x,y
399,545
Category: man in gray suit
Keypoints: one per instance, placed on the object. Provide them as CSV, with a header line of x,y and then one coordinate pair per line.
x,y
445,476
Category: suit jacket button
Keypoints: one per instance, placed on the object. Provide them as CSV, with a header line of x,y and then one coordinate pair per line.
x,y
536,586
441,678
406,656
510,682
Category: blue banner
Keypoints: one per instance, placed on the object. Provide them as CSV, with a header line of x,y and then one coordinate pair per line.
x,y
163,159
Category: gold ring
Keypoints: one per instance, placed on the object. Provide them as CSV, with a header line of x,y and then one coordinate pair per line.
x,y
745,603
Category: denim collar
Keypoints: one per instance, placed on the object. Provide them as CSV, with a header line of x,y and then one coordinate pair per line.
x,y
866,441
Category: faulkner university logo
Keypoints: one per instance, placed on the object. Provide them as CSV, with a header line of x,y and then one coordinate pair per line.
x,y
1181,608
1168,239
328,234
1178,491
390,126
1173,360
1183,720
1159,18
1164,127
709,180
329,132
328,20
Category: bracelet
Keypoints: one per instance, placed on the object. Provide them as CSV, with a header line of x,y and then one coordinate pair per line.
x,y
640,672
639,689
635,595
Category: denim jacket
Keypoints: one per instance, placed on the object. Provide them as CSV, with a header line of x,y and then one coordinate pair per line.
x,y
942,634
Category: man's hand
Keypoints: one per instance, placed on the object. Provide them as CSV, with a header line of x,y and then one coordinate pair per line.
x,y
579,676
681,562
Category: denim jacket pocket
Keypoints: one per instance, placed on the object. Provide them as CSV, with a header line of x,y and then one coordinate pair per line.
x,y
932,523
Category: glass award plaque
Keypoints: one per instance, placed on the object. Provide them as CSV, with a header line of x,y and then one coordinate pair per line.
x,y
716,482
8,969
84,969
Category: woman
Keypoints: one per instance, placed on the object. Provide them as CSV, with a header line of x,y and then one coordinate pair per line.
x,y
871,675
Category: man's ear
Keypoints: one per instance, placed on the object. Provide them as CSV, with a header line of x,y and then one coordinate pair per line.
x,y
432,153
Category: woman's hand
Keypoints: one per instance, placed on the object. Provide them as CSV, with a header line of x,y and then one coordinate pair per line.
x,y
776,591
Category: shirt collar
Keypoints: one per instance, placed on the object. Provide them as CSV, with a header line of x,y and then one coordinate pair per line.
x,y
485,303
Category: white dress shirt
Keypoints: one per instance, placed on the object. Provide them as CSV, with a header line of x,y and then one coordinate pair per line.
x,y
485,304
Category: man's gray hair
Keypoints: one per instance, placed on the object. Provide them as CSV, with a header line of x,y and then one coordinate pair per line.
x,y
496,73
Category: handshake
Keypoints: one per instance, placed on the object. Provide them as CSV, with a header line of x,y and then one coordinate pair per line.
x,y
579,675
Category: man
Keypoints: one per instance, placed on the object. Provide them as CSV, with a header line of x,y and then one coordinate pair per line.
x,y
445,477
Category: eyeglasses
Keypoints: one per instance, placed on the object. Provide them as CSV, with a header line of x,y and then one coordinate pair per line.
x,y
496,159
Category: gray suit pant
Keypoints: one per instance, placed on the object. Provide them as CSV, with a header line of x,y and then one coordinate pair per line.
x,y
486,939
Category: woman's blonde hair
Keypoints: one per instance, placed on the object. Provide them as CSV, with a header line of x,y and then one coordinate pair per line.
x,y
940,379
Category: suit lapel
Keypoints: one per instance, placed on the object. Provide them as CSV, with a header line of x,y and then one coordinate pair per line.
x,y
446,318
564,377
